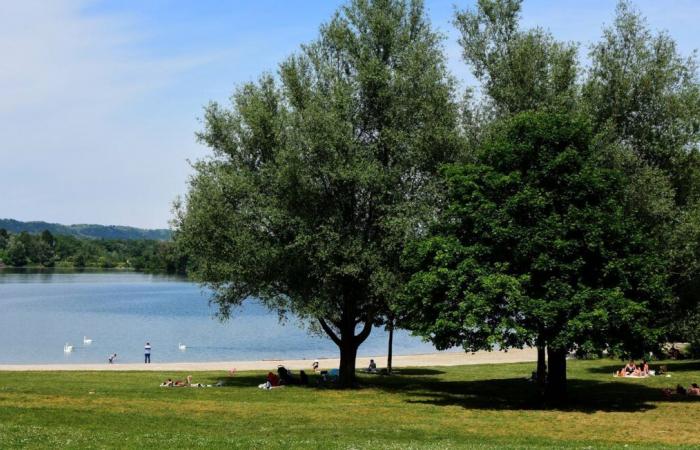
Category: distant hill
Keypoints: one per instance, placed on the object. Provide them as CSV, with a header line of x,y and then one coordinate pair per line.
x,y
85,231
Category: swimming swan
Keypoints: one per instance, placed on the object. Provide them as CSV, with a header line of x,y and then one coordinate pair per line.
x,y
182,346
87,341
67,348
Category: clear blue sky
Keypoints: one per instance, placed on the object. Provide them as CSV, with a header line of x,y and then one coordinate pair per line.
x,y
100,100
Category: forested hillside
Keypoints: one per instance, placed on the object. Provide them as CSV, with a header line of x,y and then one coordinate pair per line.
x,y
85,230
49,250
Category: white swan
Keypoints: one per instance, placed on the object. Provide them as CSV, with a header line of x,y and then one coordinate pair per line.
x,y
87,341
67,348
182,346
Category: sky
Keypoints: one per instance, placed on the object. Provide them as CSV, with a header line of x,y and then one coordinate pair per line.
x,y
100,101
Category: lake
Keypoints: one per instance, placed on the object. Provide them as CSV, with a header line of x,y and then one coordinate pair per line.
x,y
40,311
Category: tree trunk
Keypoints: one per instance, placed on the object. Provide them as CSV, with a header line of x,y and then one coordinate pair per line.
x,y
348,355
347,343
391,345
541,366
556,379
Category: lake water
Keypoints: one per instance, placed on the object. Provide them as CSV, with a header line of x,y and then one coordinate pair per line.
x,y
41,311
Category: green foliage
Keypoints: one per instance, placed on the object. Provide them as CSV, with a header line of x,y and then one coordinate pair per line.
x,y
4,238
537,246
16,252
644,93
47,250
520,70
317,179
642,98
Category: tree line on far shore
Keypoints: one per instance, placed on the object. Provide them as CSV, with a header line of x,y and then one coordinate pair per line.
x,y
48,250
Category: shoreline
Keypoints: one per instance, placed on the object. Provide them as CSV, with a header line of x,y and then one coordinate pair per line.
x,y
419,360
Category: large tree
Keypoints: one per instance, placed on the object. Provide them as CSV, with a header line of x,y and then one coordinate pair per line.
x,y
319,175
538,244
644,94
641,95
519,70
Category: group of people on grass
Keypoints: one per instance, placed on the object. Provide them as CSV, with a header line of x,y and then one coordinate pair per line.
x,y
633,370
693,390
284,376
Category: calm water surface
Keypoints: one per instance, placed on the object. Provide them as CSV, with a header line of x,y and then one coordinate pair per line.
x,y
40,312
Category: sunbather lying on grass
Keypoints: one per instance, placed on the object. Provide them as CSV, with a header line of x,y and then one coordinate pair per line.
x,y
693,390
187,383
177,383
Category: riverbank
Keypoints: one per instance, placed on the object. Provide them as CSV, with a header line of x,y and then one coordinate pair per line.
x,y
421,360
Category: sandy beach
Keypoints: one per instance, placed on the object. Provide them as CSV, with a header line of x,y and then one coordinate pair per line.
x,y
431,359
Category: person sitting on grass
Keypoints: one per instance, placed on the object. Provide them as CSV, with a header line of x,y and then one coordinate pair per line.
x,y
693,390
372,366
273,381
285,376
643,368
628,370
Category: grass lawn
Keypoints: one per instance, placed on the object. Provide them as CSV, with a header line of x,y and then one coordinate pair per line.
x,y
487,406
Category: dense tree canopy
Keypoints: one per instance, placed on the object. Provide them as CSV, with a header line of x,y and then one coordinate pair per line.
x,y
318,176
641,93
537,246
641,98
48,250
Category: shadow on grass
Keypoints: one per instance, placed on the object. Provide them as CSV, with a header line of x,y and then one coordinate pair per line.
x,y
673,366
424,386
416,371
587,396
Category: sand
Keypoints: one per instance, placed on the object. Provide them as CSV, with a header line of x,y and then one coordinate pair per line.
x,y
430,359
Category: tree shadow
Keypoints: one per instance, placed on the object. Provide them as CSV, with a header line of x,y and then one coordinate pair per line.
x,y
254,380
416,371
241,380
587,396
671,365
424,386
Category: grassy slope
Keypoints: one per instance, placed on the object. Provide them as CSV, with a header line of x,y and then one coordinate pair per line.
x,y
485,406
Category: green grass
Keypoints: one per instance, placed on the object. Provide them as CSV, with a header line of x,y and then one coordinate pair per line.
x,y
487,406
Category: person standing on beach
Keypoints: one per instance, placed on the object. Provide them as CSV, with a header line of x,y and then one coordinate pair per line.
x,y
147,353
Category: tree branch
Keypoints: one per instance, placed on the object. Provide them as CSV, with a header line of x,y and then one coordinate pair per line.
x,y
364,334
329,331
